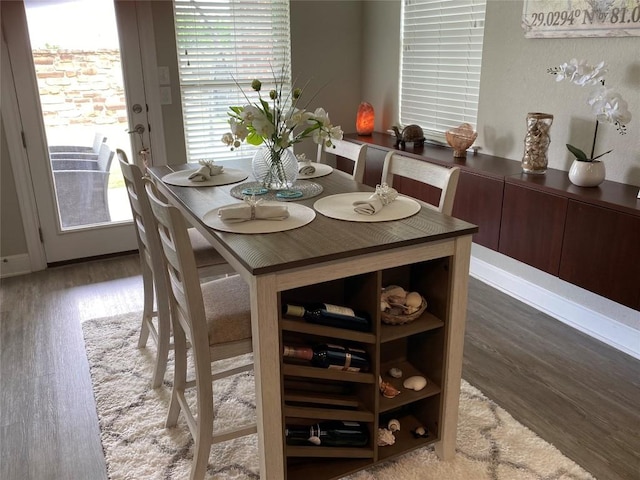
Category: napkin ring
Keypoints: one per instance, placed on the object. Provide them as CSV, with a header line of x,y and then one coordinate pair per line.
x,y
253,203
386,193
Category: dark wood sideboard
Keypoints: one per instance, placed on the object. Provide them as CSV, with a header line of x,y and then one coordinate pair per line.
x,y
589,237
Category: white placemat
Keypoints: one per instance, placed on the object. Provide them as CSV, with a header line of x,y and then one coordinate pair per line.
x,y
299,215
340,207
228,175
321,170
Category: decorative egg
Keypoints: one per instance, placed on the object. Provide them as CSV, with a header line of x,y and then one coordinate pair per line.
x,y
395,372
414,299
415,383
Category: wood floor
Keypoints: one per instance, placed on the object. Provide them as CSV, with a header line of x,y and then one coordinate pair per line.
x,y
577,393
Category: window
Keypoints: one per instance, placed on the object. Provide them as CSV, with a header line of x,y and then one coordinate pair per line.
x,y
221,42
440,63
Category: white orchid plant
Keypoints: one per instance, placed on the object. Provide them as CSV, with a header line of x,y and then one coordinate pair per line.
x,y
606,104
278,122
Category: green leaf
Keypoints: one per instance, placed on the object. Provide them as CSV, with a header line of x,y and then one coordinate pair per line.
x,y
579,154
601,155
254,139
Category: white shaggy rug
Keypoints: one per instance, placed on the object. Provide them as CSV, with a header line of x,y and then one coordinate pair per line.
x,y
491,444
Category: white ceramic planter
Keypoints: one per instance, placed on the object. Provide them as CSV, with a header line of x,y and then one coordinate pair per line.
x,y
587,174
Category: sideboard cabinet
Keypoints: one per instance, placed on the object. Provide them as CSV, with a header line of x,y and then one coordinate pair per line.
x,y
586,236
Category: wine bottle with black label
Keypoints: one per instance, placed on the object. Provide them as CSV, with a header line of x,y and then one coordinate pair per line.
x,y
330,315
336,357
332,433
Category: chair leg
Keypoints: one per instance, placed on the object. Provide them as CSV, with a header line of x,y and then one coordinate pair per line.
x,y
204,434
147,310
164,340
179,376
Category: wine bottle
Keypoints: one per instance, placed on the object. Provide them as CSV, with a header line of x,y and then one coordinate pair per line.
x,y
330,315
331,356
332,433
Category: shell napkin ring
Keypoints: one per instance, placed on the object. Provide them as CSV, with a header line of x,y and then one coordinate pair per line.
x,y
253,203
386,193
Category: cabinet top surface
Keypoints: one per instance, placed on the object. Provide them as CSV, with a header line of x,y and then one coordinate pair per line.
x,y
614,195
480,163
322,240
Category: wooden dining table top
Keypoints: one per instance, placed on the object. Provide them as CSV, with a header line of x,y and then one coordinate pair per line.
x,y
323,239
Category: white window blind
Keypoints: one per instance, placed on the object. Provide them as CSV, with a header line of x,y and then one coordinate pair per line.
x,y
440,64
221,42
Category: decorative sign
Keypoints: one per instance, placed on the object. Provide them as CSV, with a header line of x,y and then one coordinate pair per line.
x,y
581,18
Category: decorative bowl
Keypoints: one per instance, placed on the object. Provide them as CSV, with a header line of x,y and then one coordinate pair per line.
x,y
461,138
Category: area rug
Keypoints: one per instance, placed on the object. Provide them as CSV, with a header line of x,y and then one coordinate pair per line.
x,y
491,445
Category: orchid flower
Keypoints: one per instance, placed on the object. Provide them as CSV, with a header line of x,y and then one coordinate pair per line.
x,y
606,104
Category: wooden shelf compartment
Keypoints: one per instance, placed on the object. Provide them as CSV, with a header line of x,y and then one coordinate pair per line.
x,y
406,396
307,468
354,292
314,399
427,321
291,370
432,279
300,326
405,440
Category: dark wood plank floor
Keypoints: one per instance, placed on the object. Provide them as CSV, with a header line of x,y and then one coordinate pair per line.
x,y
574,391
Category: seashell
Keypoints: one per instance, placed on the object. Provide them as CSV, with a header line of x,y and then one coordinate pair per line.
x,y
384,306
395,372
388,390
385,437
420,432
394,290
414,299
415,383
394,425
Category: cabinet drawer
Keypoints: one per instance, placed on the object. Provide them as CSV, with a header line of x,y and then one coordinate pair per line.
x,y
600,252
479,201
532,227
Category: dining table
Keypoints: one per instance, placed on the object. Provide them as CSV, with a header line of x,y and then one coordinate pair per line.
x,y
320,250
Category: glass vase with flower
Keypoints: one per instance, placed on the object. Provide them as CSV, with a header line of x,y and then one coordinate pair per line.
x,y
606,104
275,125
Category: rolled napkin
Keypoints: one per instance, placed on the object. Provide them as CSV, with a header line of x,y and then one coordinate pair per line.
x,y
304,165
206,171
252,211
383,195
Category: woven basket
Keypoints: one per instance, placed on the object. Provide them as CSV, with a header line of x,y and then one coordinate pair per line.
x,y
402,319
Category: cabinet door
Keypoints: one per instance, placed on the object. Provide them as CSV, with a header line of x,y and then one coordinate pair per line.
x,y
479,201
532,227
601,252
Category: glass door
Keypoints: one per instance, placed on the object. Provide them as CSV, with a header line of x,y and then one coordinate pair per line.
x,y
86,110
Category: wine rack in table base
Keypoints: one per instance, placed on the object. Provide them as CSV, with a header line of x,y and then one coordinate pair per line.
x,y
314,394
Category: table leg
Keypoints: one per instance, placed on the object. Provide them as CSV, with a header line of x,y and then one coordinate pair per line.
x,y
266,352
446,447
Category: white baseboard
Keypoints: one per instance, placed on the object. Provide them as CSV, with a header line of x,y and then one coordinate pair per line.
x,y
15,265
606,329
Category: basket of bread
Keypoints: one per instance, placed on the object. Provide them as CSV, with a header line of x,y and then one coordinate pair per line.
x,y
399,306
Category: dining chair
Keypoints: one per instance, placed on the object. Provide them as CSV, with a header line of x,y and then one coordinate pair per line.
x,y
154,286
443,178
215,318
350,150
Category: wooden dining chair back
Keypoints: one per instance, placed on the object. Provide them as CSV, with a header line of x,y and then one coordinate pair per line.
x,y
215,319
153,280
350,150
443,178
